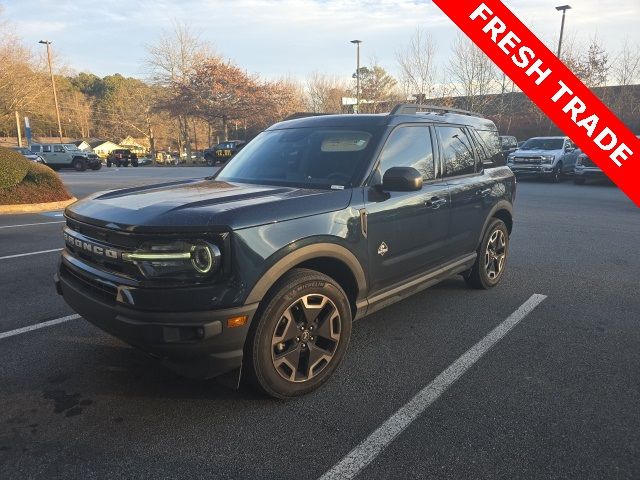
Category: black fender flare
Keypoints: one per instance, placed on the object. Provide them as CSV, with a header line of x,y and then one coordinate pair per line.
x,y
501,205
308,252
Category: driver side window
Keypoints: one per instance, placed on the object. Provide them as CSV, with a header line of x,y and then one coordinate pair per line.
x,y
409,146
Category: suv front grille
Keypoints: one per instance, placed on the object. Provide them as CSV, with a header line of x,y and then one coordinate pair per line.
x,y
587,162
528,160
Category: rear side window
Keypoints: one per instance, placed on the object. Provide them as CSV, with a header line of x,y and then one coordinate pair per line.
x,y
490,142
46,148
58,148
457,151
409,147
35,148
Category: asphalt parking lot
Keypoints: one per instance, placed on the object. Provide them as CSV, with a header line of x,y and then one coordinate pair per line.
x,y
557,396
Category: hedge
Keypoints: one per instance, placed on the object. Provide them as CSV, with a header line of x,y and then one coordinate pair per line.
x,y
13,167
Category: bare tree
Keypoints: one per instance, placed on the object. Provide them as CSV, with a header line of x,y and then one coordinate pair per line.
x,y
172,60
472,73
626,74
325,93
417,66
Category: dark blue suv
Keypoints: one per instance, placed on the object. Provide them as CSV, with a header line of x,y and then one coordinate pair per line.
x,y
259,271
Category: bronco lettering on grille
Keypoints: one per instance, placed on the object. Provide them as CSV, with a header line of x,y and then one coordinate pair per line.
x,y
92,248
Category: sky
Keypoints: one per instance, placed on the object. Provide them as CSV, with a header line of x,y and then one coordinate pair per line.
x,y
277,38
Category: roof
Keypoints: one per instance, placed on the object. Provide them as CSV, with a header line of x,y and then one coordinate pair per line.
x,y
382,120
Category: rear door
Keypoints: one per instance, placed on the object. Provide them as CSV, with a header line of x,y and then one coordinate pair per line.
x,y
406,231
469,187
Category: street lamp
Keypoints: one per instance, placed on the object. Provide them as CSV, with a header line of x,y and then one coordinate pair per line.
x,y
357,43
563,9
53,85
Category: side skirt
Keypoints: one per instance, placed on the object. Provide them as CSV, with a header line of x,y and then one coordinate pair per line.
x,y
417,284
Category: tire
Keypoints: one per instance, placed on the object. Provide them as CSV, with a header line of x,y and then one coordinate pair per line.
x,y
97,167
108,163
302,303
579,181
488,269
79,164
557,173
134,163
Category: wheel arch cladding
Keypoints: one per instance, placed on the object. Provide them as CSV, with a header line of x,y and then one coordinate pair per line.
x,y
504,212
333,260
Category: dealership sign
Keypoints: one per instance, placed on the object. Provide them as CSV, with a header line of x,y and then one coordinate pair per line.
x,y
551,86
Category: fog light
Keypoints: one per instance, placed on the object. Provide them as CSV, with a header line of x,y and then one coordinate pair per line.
x,y
237,321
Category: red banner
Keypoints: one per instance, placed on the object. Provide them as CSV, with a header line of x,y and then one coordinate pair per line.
x,y
551,86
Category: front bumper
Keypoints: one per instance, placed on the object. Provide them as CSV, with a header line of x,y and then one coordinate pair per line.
x,y
195,344
588,172
541,170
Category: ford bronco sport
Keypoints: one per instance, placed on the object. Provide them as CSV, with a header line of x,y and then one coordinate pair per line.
x,y
259,271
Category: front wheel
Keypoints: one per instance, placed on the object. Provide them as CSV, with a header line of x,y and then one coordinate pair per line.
x,y
489,267
79,165
97,166
300,336
556,176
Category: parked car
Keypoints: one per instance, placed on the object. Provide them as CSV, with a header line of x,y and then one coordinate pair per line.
x,y
223,151
25,152
122,157
261,269
586,169
66,155
144,161
509,144
549,157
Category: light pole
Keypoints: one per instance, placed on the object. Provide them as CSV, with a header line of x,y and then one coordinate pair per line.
x,y
563,9
357,43
53,85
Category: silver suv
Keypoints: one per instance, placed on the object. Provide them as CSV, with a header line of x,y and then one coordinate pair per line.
x,y
66,155
549,157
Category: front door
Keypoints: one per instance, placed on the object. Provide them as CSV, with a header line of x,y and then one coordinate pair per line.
x,y
406,231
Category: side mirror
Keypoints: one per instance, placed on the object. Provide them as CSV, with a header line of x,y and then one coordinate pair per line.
x,y
402,179
568,149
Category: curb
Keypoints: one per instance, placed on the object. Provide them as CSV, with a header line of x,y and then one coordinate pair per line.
x,y
36,207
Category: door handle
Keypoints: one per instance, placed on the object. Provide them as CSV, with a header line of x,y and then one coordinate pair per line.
x,y
484,192
436,202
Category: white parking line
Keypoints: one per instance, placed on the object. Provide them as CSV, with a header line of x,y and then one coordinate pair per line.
x,y
30,224
369,449
37,326
30,253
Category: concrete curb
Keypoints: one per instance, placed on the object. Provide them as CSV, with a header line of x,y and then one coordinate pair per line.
x,y
36,207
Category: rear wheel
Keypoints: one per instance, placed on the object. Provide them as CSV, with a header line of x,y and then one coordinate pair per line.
x,y
134,163
97,166
79,164
300,336
490,263
109,163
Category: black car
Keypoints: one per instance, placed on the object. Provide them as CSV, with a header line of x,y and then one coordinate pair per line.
x,y
260,270
122,157
223,151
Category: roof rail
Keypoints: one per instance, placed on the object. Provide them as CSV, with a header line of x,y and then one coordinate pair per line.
x,y
295,116
412,109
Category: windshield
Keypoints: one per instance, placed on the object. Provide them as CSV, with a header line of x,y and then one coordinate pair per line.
x,y
305,157
543,144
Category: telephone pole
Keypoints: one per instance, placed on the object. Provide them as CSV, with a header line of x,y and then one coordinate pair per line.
x,y
357,43
53,85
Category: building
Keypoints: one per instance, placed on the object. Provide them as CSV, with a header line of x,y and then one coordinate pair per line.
x,y
139,146
102,148
83,145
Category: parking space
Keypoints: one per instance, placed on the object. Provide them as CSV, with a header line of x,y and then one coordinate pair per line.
x,y
556,396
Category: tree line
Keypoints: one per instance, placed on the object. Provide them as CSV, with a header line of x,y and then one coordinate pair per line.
x,y
193,96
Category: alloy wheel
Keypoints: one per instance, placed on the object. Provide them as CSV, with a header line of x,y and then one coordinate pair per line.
x,y
495,254
306,338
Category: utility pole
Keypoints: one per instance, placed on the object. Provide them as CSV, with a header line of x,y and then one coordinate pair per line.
x,y
357,43
53,85
563,9
19,130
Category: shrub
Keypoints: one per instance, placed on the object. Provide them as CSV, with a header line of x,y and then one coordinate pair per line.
x,y
39,185
13,167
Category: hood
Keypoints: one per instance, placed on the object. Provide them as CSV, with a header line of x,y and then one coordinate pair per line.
x,y
194,205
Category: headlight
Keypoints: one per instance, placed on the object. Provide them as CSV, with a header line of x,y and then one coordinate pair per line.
x,y
548,158
580,159
181,260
